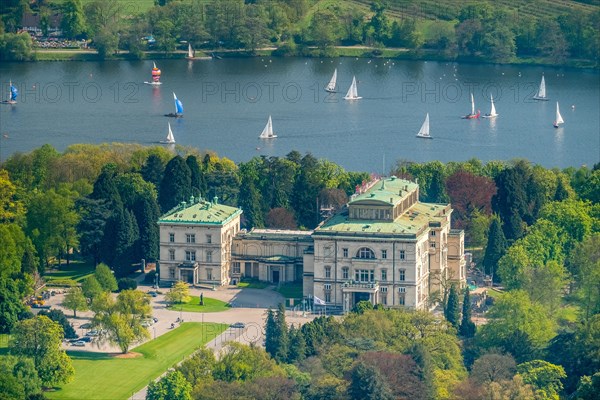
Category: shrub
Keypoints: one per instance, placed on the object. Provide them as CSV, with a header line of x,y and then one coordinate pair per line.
x,y
127,284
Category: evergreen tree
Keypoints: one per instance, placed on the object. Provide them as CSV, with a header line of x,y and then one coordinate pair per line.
x,y
561,192
452,312
510,201
127,234
198,179
147,215
496,247
90,228
368,384
105,187
297,350
176,185
467,327
305,193
282,332
250,201
153,170
271,334
422,358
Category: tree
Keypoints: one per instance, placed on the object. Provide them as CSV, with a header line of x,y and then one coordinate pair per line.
x,y
41,339
121,320
368,384
105,278
240,362
493,367
11,208
11,304
280,218
73,19
90,228
179,293
400,373
452,311
584,263
467,327
127,233
27,382
91,287
126,284
425,367
469,193
172,386
588,387
10,387
271,333
75,300
198,181
362,306
282,334
249,197
544,377
199,367
153,170
297,348
176,185
59,317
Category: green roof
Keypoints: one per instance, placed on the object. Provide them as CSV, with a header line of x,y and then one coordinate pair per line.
x,y
410,224
390,191
200,212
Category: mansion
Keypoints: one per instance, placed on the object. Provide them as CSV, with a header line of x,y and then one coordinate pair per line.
x,y
384,246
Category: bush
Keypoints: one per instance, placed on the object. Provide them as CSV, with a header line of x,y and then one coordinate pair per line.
x,y
127,284
150,277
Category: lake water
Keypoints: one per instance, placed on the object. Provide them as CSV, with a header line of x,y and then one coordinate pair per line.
x,y
227,103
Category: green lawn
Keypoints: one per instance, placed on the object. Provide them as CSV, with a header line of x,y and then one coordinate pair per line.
x,y
76,271
101,376
291,290
253,285
210,305
4,338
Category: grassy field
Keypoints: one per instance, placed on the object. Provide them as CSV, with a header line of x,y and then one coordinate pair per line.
x,y
291,290
252,285
128,7
76,271
210,305
102,376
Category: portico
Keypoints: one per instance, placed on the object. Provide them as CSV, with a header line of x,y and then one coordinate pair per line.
x,y
353,292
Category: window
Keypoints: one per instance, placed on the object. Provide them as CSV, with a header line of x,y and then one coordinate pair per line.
x,y
327,272
328,297
432,233
402,275
383,253
364,275
209,256
171,255
190,255
327,251
345,273
327,286
208,238
345,253
365,253
401,299
384,274
171,273
402,254
171,237
432,244
383,296
236,268
209,274
190,237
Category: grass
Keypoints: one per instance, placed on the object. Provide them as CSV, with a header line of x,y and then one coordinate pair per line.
x,y
253,285
102,376
291,290
210,305
76,271
127,7
4,338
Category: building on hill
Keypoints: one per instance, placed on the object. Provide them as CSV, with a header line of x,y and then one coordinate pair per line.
x,y
196,240
385,247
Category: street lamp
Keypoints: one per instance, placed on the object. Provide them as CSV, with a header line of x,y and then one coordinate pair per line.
x,y
154,329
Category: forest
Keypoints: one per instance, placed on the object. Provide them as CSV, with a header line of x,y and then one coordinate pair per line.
x,y
536,231
545,31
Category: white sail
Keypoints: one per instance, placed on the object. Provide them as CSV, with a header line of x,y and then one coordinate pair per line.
x,y
352,91
170,138
424,131
267,133
472,105
541,94
331,85
190,51
492,113
559,119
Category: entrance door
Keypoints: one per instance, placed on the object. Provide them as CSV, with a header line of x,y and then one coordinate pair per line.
x,y
360,296
276,276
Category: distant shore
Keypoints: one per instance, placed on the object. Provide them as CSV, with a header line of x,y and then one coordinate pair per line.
x,y
338,51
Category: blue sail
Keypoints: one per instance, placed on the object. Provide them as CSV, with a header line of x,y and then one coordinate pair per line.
x,y
13,93
178,106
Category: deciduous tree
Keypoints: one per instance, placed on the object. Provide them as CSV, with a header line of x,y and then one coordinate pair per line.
x,y
75,300
105,278
179,293
172,386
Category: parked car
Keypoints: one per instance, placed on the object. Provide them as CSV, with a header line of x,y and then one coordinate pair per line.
x,y
153,293
92,333
79,343
86,339
238,325
85,326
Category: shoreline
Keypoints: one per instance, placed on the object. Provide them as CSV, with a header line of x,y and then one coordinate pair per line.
x,y
338,51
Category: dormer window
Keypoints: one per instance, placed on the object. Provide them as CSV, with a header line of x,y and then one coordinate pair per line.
x,y
365,253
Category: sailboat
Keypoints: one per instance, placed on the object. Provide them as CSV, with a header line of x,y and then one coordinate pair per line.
x,y
492,113
472,115
541,94
352,92
155,76
424,131
178,108
12,99
267,133
559,120
191,52
331,85
170,138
